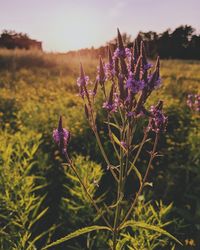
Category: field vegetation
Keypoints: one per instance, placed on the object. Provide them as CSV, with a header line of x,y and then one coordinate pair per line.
x,y
41,200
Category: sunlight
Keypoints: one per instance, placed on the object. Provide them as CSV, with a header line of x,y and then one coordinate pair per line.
x,y
78,32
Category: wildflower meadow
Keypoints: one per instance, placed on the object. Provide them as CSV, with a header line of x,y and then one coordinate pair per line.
x,y
99,153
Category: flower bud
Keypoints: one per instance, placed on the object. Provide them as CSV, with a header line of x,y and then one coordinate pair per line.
x,y
120,41
101,76
61,136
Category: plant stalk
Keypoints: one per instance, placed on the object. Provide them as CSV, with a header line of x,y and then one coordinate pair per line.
x,y
143,182
86,191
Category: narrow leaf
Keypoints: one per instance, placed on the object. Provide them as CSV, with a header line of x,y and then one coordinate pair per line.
x,y
113,125
76,234
116,140
137,172
146,226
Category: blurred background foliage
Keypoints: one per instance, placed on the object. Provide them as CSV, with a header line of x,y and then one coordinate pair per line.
x,y
40,199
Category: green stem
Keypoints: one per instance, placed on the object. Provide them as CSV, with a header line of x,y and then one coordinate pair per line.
x,y
139,150
86,191
119,194
104,154
111,139
128,152
143,182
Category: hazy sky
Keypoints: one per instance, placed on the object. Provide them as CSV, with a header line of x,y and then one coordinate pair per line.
x,y
71,24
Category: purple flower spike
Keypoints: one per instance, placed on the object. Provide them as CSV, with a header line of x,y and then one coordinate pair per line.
x,y
154,80
109,67
109,71
120,40
136,51
145,64
158,121
110,105
120,52
101,74
82,80
61,136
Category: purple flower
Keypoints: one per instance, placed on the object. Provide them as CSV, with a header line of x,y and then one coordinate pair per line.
x,y
61,136
122,53
128,53
130,113
124,145
193,101
190,100
111,107
134,85
101,77
109,71
154,83
119,53
83,81
158,121
117,100
197,103
147,66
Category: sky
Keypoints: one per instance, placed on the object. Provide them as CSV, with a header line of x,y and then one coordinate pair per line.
x,y
64,25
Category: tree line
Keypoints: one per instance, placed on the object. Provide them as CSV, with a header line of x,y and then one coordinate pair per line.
x,y
181,43
14,40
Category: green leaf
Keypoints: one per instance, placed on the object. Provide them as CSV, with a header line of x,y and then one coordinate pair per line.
x,y
137,172
121,244
146,226
38,237
37,218
116,140
113,125
76,234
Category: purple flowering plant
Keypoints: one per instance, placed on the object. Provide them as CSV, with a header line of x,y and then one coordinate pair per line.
x,y
126,81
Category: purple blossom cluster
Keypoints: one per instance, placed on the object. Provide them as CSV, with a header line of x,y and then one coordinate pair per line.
x,y
158,120
83,81
122,53
132,82
109,71
193,101
61,136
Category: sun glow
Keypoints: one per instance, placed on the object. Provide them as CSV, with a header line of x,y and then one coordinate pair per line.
x,y
78,31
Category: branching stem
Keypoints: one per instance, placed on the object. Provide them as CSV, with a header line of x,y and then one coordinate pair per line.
x,y
143,181
86,191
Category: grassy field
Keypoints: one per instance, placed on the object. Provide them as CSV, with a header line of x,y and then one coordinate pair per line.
x,y
35,89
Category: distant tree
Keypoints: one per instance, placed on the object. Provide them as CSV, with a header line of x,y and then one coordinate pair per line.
x,y
150,39
164,45
12,40
180,41
194,47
